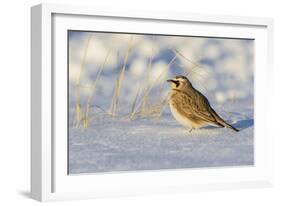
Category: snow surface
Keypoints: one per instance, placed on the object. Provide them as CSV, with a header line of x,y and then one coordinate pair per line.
x,y
111,145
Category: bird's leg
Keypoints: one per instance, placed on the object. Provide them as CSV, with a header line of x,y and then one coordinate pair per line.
x,y
191,129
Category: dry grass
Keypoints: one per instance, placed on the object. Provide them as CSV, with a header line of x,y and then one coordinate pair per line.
x,y
78,115
133,110
195,72
146,107
118,82
86,118
143,104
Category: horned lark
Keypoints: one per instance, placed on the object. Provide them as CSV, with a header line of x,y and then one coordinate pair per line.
x,y
191,108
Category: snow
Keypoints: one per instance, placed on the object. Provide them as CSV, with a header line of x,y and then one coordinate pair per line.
x,y
112,145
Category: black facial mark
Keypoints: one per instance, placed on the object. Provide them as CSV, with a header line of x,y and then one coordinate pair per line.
x,y
177,83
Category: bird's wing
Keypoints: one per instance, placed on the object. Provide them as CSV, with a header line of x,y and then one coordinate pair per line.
x,y
198,105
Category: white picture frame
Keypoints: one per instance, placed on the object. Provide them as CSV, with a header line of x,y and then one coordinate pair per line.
x,y
49,178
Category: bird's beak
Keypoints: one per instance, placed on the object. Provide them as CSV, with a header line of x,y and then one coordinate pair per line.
x,y
171,80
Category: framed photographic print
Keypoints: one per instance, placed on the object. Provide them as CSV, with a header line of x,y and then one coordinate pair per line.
x,y
135,102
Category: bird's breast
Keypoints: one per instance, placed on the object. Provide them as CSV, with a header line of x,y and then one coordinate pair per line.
x,y
181,118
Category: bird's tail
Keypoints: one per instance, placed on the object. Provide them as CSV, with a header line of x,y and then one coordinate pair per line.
x,y
225,124
222,123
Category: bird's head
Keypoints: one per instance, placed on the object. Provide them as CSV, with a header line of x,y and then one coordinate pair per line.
x,y
180,82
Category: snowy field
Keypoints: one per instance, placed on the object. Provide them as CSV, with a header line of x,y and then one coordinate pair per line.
x,y
117,75
145,144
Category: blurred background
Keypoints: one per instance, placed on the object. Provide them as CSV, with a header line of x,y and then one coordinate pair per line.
x,y
118,72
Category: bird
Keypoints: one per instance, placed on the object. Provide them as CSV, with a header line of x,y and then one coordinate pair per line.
x,y
190,107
